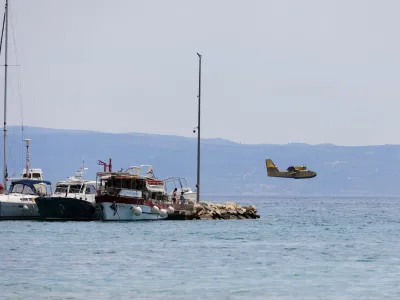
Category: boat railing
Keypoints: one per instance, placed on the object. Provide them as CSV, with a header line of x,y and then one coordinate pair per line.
x,y
135,193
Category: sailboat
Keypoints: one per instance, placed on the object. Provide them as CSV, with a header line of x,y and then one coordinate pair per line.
x,y
18,203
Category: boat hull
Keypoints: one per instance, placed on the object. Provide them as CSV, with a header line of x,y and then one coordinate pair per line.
x,y
66,209
10,210
111,211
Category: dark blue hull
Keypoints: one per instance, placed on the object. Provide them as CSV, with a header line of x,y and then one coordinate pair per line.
x,y
66,209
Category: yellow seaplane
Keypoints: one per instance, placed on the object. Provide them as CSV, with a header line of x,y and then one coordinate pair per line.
x,y
297,172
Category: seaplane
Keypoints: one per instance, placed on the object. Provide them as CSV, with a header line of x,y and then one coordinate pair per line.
x,y
294,172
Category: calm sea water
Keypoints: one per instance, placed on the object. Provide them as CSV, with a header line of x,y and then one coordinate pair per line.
x,y
301,248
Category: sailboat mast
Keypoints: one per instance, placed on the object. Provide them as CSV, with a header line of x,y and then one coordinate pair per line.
x,y
5,98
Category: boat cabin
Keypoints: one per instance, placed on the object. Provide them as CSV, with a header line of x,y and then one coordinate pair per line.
x,y
33,174
31,187
124,184
76,187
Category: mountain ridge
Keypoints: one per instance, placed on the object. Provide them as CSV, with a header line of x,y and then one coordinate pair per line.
x,y
226,167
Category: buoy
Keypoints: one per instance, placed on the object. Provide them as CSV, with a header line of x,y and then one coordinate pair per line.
x,y
137,211
155,209
163,213
25,207
170,210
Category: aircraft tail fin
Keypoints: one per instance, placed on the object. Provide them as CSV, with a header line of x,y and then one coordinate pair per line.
x,y
270,165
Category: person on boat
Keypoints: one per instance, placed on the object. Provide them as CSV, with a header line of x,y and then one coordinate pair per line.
x,y
182,198
1,189
174,195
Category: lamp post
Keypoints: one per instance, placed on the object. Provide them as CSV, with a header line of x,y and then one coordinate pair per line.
x,y
198,135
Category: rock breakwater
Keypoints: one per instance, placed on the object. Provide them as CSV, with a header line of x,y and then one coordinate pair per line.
x,y
225,211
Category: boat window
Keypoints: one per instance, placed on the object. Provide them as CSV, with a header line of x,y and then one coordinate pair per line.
x,y
74,188
90,189
27,190
17,188
61,189
42,188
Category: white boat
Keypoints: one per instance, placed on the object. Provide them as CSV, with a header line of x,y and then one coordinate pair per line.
x,y
180,184
18,203
128,196
73,199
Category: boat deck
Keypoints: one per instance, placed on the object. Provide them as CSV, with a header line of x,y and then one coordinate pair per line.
x,y
182,212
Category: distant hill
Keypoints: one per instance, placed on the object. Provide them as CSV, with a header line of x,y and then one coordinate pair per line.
x,y
226,167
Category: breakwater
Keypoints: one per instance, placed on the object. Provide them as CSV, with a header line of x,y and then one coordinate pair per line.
x,y
213,211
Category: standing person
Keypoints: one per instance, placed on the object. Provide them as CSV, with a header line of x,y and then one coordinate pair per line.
x,y
174,195
182,198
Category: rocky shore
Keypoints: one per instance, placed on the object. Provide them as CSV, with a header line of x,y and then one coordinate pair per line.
x,y
225,211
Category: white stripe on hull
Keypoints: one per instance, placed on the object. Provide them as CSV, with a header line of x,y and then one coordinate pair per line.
x,y
124,212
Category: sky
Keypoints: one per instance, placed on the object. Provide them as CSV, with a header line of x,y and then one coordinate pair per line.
x,y
279,71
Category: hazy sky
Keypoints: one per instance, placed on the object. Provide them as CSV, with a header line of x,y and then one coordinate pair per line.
x,y
273,71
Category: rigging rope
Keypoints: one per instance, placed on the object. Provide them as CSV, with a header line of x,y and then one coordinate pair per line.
x,y
1,44
19,89
2,31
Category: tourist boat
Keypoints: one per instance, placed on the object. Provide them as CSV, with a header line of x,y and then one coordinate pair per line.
x,y
180,184
73,200
129,196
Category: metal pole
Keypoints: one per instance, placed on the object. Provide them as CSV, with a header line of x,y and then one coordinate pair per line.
x,y
5,100
198,136
28,158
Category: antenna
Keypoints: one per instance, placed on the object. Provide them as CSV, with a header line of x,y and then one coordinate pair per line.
x,y
28,158
79,173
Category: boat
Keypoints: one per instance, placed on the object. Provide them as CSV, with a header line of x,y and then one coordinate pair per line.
x,y
18,203
73,200
129,196
180,184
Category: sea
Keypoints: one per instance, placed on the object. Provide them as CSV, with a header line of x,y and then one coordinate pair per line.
x,y
300,248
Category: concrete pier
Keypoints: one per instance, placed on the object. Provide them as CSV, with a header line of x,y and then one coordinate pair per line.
x,y
212,211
